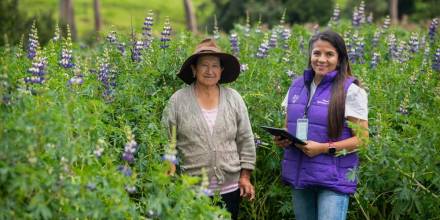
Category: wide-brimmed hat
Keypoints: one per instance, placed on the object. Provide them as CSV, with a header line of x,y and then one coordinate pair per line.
x,y
230,64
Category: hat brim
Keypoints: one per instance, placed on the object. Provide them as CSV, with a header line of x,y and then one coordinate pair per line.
x,y
231,67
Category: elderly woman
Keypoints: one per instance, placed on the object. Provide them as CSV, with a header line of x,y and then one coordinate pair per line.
x,y
212,124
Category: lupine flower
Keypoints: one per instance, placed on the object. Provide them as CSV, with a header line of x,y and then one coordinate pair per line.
x,y
33,43
370,18
273,39
263,49
247,28
356,19
426,55
401,52
215,32
204,186
386,23
376,37
433,28
106,77
436,60
91,186
147,33
66,60
130,147
414,43
170,152
111,37
374,60
392,47
125,170
19,52
76,80
38,70
258,142
165,34
234,44
336,15
286,34
121,48
99,149
130,189
291,73
403,108
136,55
243,67
361,12
56,36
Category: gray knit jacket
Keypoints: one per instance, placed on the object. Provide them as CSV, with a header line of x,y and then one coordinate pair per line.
x,y
223,154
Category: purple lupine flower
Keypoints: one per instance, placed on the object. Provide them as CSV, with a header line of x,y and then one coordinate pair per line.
x,y
125,170
76,80
291,74
56,35
436,60
401,52
273,39
336,15
376,37
386,23
392,47
33,43
165,34
106,77
258,142
215,32
433,28
243,67
136,55
361,13
234,44
374,60
370,18
130,147
286,34
99,150
356,19
121,48
414,43
38,70
263,50
111,37
171,157
147,29
130,189
66,60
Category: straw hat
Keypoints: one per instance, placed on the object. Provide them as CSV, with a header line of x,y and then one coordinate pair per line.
x,y
230,64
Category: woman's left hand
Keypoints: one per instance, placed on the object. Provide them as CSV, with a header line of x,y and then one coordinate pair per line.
x,y
313,148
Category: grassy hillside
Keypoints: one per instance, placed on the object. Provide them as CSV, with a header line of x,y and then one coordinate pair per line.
x,y
117,13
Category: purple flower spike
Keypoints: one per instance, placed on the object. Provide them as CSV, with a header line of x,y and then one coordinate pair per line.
x,y
433,28
147,33
165,34
234,44
436,60
126,170
37,70
33,43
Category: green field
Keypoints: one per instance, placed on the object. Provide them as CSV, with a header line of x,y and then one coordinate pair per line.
x,y
117,13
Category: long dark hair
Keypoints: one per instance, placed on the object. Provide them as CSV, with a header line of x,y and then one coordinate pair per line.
x,y
336,110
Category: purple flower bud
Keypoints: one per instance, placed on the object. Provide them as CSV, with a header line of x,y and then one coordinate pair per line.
x,y
171,158
234,44
147,29
263,50
436,60
433,28
33,43
126,170
374,60
165,34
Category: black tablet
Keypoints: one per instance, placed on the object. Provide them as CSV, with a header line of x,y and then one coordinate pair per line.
x,y
283,133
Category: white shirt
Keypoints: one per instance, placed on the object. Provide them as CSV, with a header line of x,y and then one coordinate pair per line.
x,y
356,102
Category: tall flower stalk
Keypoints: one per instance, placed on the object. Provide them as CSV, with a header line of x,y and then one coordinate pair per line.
x,y
66,60
166,34
38,70
33,44
147,29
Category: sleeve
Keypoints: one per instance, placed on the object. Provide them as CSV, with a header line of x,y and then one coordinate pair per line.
x,y
245,138
356,103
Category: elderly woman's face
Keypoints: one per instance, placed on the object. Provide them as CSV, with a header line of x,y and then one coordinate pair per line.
x,y
207,70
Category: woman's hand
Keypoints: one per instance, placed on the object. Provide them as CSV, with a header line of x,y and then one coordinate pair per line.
x,y
313,148
246,188
281,142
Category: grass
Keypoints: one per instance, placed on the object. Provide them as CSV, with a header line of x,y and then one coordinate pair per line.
x,y
116,13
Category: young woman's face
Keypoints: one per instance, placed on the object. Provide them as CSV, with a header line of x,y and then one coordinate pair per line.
x,y
208,70
324,58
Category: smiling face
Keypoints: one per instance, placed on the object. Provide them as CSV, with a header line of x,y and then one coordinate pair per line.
x,y
324,58
207,70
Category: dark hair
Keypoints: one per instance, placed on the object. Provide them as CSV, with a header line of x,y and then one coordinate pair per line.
x,y
336,110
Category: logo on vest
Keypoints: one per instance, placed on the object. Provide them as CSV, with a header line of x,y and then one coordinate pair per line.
x,y
323,102
295,98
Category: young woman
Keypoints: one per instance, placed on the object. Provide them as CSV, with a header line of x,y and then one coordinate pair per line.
x,y
319,104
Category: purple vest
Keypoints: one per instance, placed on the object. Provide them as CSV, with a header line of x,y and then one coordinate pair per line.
x,y
300,170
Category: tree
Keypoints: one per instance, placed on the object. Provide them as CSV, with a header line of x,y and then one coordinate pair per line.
x,y
97,12
191,22
394,11
67,16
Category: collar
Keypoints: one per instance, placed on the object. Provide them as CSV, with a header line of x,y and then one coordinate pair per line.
x,y
309,74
